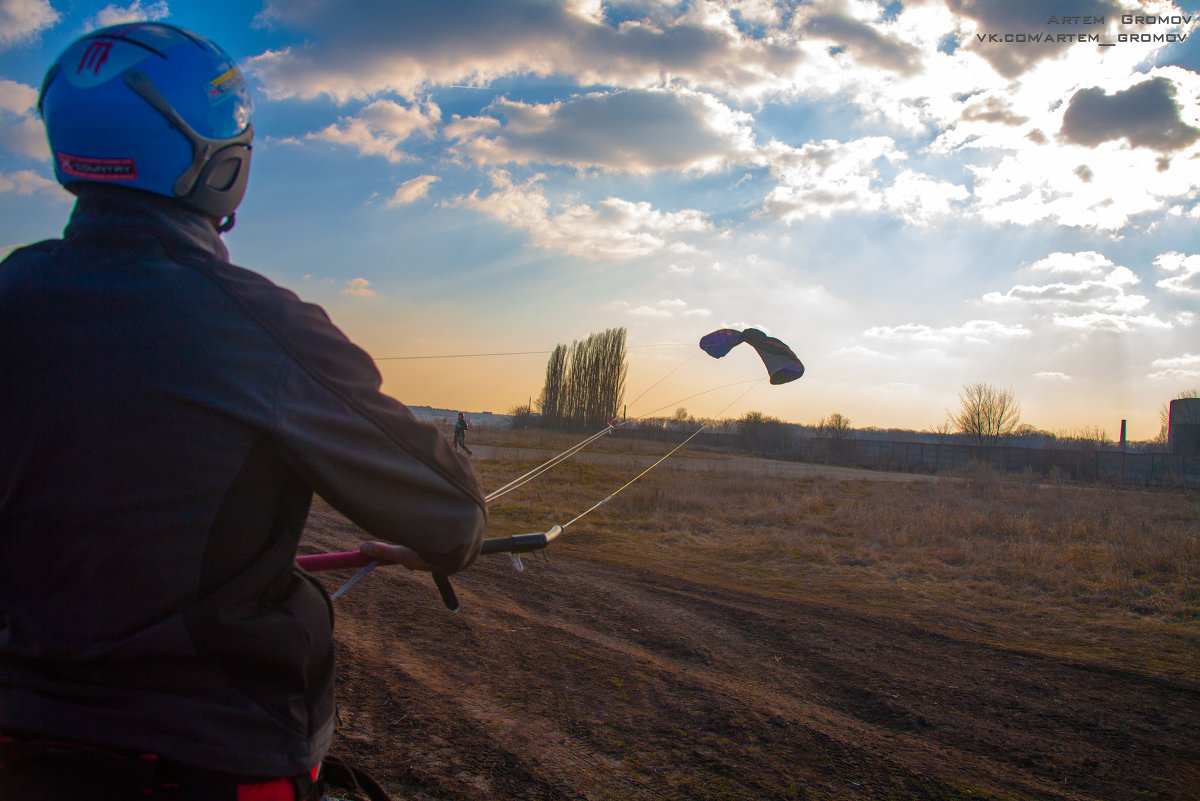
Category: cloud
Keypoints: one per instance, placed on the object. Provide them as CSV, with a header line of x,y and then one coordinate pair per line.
x,y
1011,59
993,110
22,132
614,228
381,128
27,182
406,48
412,190
861,39
863,352
822,179
113,14
635,130
1146,115
1186,366
1052,375
359,287
1030,161
17,98
1096,297
976,331
1187,282
672,307
23,19
1103,288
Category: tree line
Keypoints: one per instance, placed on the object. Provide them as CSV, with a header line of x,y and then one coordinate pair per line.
x,y
585,386
585,383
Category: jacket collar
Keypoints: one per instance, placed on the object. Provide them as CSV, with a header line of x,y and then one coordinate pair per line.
x,y
104,207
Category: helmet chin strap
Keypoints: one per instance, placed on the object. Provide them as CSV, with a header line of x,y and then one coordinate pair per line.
x,y
226,224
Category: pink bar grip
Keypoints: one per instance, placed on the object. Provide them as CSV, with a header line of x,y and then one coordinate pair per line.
x,y
332,561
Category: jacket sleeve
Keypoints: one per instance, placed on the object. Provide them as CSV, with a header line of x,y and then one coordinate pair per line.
x,y
376,463
362,451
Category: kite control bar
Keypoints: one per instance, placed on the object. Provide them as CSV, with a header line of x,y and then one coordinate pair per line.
x,y
521,543
514,546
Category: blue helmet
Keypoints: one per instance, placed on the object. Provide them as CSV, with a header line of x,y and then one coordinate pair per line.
x,y
153,107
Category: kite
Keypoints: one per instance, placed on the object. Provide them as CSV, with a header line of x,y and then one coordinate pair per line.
x,y
781,363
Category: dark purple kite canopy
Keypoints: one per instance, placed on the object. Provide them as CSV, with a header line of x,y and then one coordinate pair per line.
x,y
782,364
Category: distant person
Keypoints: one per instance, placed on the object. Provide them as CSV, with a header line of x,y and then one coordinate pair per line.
x,y
165,419
460,434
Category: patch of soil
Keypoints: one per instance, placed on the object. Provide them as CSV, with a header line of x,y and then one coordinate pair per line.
x,y
579,679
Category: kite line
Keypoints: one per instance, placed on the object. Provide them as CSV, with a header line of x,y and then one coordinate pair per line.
x,y
782,366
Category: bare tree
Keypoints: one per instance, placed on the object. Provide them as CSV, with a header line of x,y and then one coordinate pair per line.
x,y
835,426
986,414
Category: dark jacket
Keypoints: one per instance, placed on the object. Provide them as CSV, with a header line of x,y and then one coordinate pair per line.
x,y
164,419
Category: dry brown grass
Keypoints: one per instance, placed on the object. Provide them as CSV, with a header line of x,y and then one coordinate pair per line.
x,y
1088,572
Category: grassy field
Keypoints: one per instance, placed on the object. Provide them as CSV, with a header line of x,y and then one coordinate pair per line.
x,y
1056,567
718,631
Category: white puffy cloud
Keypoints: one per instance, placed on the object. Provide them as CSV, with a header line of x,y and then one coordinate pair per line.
x,y
1186,269
920,199
17,98
1101,286
822,179
27,182
22,19
1077,140
22,131
613,228
1186,366
137,10
381,127
1093,293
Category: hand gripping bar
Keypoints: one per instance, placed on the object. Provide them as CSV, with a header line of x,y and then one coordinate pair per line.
x,y
515,545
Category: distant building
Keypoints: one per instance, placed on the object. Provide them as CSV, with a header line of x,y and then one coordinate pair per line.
x,y
1183,427
448,416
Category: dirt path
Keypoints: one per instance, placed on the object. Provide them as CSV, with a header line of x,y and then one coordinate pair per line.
x,y
579,679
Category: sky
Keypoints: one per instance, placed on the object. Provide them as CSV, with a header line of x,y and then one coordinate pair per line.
x,y
915,196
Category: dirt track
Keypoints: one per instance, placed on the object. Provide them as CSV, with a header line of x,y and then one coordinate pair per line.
x,y
587,680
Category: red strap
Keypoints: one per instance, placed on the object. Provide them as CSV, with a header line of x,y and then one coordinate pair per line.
x,y
277,790
332,561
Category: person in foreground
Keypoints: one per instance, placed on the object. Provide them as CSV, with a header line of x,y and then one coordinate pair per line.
x,y
165,418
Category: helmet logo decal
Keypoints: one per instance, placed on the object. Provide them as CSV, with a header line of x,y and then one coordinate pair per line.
x,y
97,169
224,85
95,56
